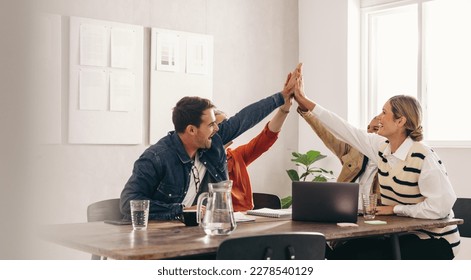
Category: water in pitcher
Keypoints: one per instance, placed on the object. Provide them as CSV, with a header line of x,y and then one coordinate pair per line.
x,y
219,223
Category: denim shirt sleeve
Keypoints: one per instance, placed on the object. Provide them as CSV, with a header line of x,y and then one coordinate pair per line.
x,y
249,117
146,176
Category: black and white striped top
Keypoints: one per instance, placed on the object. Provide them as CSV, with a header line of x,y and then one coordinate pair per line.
x,y
400,186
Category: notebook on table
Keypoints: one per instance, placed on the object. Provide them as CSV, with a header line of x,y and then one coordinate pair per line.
x,y
269,212
325,201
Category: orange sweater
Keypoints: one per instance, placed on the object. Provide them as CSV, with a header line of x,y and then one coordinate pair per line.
x,y
237,162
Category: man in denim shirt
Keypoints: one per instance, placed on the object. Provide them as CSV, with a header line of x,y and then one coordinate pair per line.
x,y
175,170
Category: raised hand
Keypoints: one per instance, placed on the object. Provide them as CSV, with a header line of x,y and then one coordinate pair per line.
x,y
289,86
299,87
299,69
299,93
304,103
288,90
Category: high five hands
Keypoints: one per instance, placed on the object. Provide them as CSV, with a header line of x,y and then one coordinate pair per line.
x,y
294,88
291,81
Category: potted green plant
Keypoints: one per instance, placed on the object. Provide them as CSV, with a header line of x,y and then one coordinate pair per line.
x,y
309,172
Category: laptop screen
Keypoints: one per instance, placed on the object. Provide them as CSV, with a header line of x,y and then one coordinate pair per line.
x,y
325,201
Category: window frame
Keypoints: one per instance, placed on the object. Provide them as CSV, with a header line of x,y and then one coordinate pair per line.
x,y
369,10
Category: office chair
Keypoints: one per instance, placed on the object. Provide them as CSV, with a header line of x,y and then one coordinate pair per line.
x,y
266,200
103,210
282,246
462,210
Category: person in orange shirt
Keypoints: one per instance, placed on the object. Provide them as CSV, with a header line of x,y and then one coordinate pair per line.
x,y
239,158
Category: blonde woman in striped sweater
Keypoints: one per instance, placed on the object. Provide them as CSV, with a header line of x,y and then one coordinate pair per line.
x,y
413,180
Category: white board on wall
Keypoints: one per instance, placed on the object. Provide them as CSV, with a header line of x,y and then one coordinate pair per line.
x,y
106,82
181,65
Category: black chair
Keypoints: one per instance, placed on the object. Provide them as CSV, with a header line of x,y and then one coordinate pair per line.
x,y
282,246
462,210
266,200
104,210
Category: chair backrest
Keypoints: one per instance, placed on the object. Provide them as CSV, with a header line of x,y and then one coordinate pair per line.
x,y
462,210
104,210
266,200
283,246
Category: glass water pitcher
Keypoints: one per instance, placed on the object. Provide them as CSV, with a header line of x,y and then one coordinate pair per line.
x,y
219,216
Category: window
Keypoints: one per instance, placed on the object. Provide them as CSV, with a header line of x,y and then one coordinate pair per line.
x,y
421,48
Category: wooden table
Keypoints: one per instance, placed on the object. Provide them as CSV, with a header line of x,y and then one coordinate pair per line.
x,y
164,240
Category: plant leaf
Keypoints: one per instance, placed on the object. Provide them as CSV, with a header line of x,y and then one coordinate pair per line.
x,y
302,159
305,174
312,155
293,175
286,202
319,157
319,178
312,170
296,154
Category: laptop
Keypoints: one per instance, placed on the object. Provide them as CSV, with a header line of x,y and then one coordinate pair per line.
x,y
325,202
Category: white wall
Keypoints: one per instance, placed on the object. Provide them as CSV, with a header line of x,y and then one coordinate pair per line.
x,y
324,47
255,46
